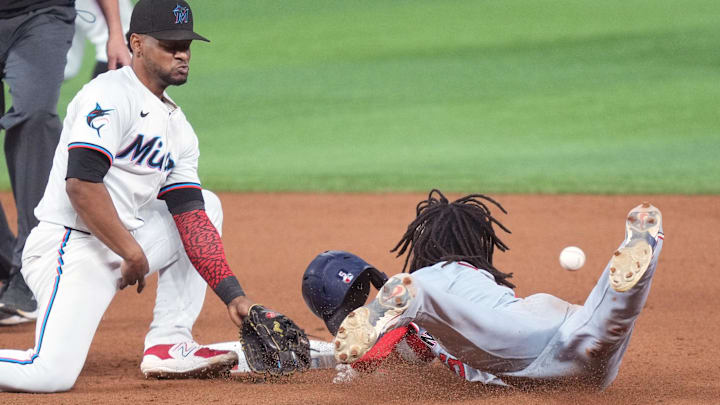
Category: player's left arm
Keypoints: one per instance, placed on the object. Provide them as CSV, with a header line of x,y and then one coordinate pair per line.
x,y
206,252
117,52
272,343
183,195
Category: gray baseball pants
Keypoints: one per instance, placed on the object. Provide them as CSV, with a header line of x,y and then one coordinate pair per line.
x,y
528,341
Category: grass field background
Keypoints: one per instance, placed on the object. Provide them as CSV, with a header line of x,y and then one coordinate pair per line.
x,y
520,96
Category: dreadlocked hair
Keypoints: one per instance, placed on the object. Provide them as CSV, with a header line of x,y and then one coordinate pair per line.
x,y
461,230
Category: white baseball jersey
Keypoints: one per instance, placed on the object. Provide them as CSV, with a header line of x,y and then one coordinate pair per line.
x,y
73,275
150,144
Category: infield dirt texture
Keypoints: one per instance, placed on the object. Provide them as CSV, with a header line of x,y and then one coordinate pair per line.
x,y
271,238
323,123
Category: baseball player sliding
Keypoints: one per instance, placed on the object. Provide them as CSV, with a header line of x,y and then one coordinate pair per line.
x,y
456,306
126,146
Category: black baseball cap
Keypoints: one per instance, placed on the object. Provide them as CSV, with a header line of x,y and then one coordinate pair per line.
x,y
163,19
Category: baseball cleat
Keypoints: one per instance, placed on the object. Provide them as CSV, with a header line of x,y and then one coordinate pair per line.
x,y
643,228
187,360
17,299
364,326
7,319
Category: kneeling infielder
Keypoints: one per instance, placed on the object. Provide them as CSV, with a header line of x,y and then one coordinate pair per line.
x,y
456,306
125,144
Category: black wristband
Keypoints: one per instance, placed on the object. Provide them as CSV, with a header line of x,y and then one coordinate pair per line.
x,y
183,200
228,289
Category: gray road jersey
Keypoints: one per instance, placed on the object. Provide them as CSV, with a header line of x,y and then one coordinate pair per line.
x,y
534,339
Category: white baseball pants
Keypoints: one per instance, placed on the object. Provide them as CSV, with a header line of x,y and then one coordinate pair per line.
x,y
74,277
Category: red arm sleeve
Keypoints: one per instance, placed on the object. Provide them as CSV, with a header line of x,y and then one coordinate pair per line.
x,y
205,250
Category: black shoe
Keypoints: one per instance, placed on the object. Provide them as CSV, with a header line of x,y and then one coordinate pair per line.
x,y
9,320
17,299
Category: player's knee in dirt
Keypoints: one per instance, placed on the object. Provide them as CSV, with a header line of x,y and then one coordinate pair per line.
x,y
56,380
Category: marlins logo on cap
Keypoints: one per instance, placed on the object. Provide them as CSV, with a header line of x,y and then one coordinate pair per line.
x,y
181,14
164,19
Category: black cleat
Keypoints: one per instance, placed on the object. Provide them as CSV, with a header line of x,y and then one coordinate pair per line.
x,y
17,299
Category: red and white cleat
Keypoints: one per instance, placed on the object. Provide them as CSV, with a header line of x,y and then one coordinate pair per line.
x,y
362,328
187,360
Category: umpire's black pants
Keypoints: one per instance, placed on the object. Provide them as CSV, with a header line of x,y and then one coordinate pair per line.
x,y
33,49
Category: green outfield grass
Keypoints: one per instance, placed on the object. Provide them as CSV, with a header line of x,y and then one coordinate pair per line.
x,y
532,96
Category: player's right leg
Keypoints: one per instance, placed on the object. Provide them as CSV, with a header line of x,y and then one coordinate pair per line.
x,y
626,282
593,340
71,274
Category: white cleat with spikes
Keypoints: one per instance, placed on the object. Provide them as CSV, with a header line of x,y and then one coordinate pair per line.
x,y
363,327
643,229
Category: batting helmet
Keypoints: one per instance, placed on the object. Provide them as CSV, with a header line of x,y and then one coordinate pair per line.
x,y
335,283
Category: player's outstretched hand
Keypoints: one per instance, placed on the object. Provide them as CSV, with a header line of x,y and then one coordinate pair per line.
x,y
133,270
273,344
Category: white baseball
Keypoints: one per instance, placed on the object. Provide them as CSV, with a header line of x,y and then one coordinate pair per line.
x,y
572,258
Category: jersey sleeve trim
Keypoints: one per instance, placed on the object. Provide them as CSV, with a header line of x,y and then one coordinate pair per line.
x,y
180,200
75,145
177,186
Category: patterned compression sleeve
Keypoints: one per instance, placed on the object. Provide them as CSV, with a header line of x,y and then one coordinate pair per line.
x,y
205,250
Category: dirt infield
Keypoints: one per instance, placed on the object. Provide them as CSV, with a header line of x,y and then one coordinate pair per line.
x,y
270,238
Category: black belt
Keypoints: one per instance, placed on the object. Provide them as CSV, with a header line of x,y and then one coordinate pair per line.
x,y
77,230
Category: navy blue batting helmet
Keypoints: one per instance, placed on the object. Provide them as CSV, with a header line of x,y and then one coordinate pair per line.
x,y
335,283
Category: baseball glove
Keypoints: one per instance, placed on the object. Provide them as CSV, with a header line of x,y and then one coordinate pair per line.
x,y
273,344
